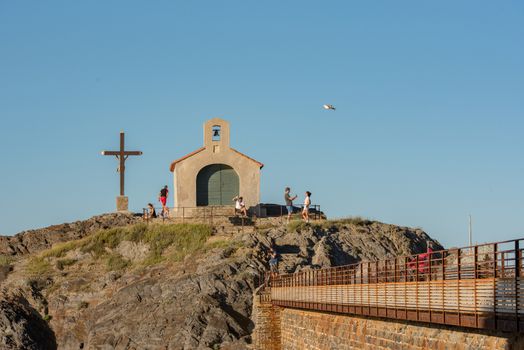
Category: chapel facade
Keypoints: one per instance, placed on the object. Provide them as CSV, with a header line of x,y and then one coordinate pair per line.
x,y
215,173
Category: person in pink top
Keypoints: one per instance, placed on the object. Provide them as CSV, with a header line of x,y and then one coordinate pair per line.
x,y
424,261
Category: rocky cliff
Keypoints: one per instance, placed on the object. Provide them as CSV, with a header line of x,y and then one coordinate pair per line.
x,y
174,286
36,240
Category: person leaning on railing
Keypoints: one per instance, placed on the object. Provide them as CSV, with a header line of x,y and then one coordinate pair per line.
x,y
424,262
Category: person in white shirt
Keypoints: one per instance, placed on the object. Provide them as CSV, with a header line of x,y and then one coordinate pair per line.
x,y
240,206
307,203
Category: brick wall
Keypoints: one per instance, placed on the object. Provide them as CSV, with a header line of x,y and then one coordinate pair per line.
x,y
307,330
267,332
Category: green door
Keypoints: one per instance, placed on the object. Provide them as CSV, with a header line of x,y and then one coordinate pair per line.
x,y
217,184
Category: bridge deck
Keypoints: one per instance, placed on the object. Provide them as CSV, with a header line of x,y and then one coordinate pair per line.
x,y
476,287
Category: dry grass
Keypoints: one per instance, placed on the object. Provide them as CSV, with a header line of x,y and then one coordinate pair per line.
x,y
62,263
223,244
184,239
115,262
5,260
38,266
353,220
297,226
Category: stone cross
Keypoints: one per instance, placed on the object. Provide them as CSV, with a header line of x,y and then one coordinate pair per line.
x,y
121,155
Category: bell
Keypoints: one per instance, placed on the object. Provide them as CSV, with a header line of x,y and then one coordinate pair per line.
x,y
216,133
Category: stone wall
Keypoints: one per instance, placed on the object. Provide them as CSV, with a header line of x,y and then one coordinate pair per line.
x,y
309,330
267,332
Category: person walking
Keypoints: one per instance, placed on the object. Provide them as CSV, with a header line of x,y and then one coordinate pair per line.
x,y
289,202
162,197
305,210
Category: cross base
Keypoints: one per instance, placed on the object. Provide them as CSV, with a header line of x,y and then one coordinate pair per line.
x,y
122,203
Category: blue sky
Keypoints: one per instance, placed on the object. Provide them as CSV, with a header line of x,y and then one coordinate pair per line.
x,y
429,95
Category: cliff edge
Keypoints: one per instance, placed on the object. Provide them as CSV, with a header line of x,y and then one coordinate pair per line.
x,y
172,286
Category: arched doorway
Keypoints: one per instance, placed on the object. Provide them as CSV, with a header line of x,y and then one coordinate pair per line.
x,y
217,184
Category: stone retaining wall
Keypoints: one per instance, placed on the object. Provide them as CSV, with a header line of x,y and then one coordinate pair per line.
x,y
291,329
303,330
267,333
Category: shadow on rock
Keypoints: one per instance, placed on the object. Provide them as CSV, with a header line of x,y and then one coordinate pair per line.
x,y
22,327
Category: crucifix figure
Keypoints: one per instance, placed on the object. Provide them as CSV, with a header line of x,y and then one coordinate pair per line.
x,y
121,155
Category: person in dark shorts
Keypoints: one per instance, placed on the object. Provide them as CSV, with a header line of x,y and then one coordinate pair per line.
x,y
289,202
162,197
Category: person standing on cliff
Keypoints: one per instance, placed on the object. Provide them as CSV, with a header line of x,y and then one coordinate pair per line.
x,y
162,197
289,202
305,210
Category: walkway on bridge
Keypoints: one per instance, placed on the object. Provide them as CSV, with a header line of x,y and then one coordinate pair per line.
x,y
478,287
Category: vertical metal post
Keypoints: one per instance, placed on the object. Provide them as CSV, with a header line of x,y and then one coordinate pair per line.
x,y
386,285
429,258
517,283
444,261
368,286
476,276
416,284
459,277
495,263
406,273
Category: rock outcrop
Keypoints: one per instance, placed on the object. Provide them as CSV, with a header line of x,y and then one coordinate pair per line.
x,y
22,327
37,240
203,301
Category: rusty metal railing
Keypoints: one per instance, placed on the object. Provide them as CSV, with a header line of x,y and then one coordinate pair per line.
x,y
478,286
204,214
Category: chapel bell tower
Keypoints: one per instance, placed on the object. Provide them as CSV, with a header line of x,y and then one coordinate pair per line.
x,y
216,135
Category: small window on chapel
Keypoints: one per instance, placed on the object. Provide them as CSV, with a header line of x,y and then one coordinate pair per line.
x,y
216,133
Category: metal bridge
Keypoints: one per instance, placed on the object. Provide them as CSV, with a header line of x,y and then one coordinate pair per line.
x,y
478,287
